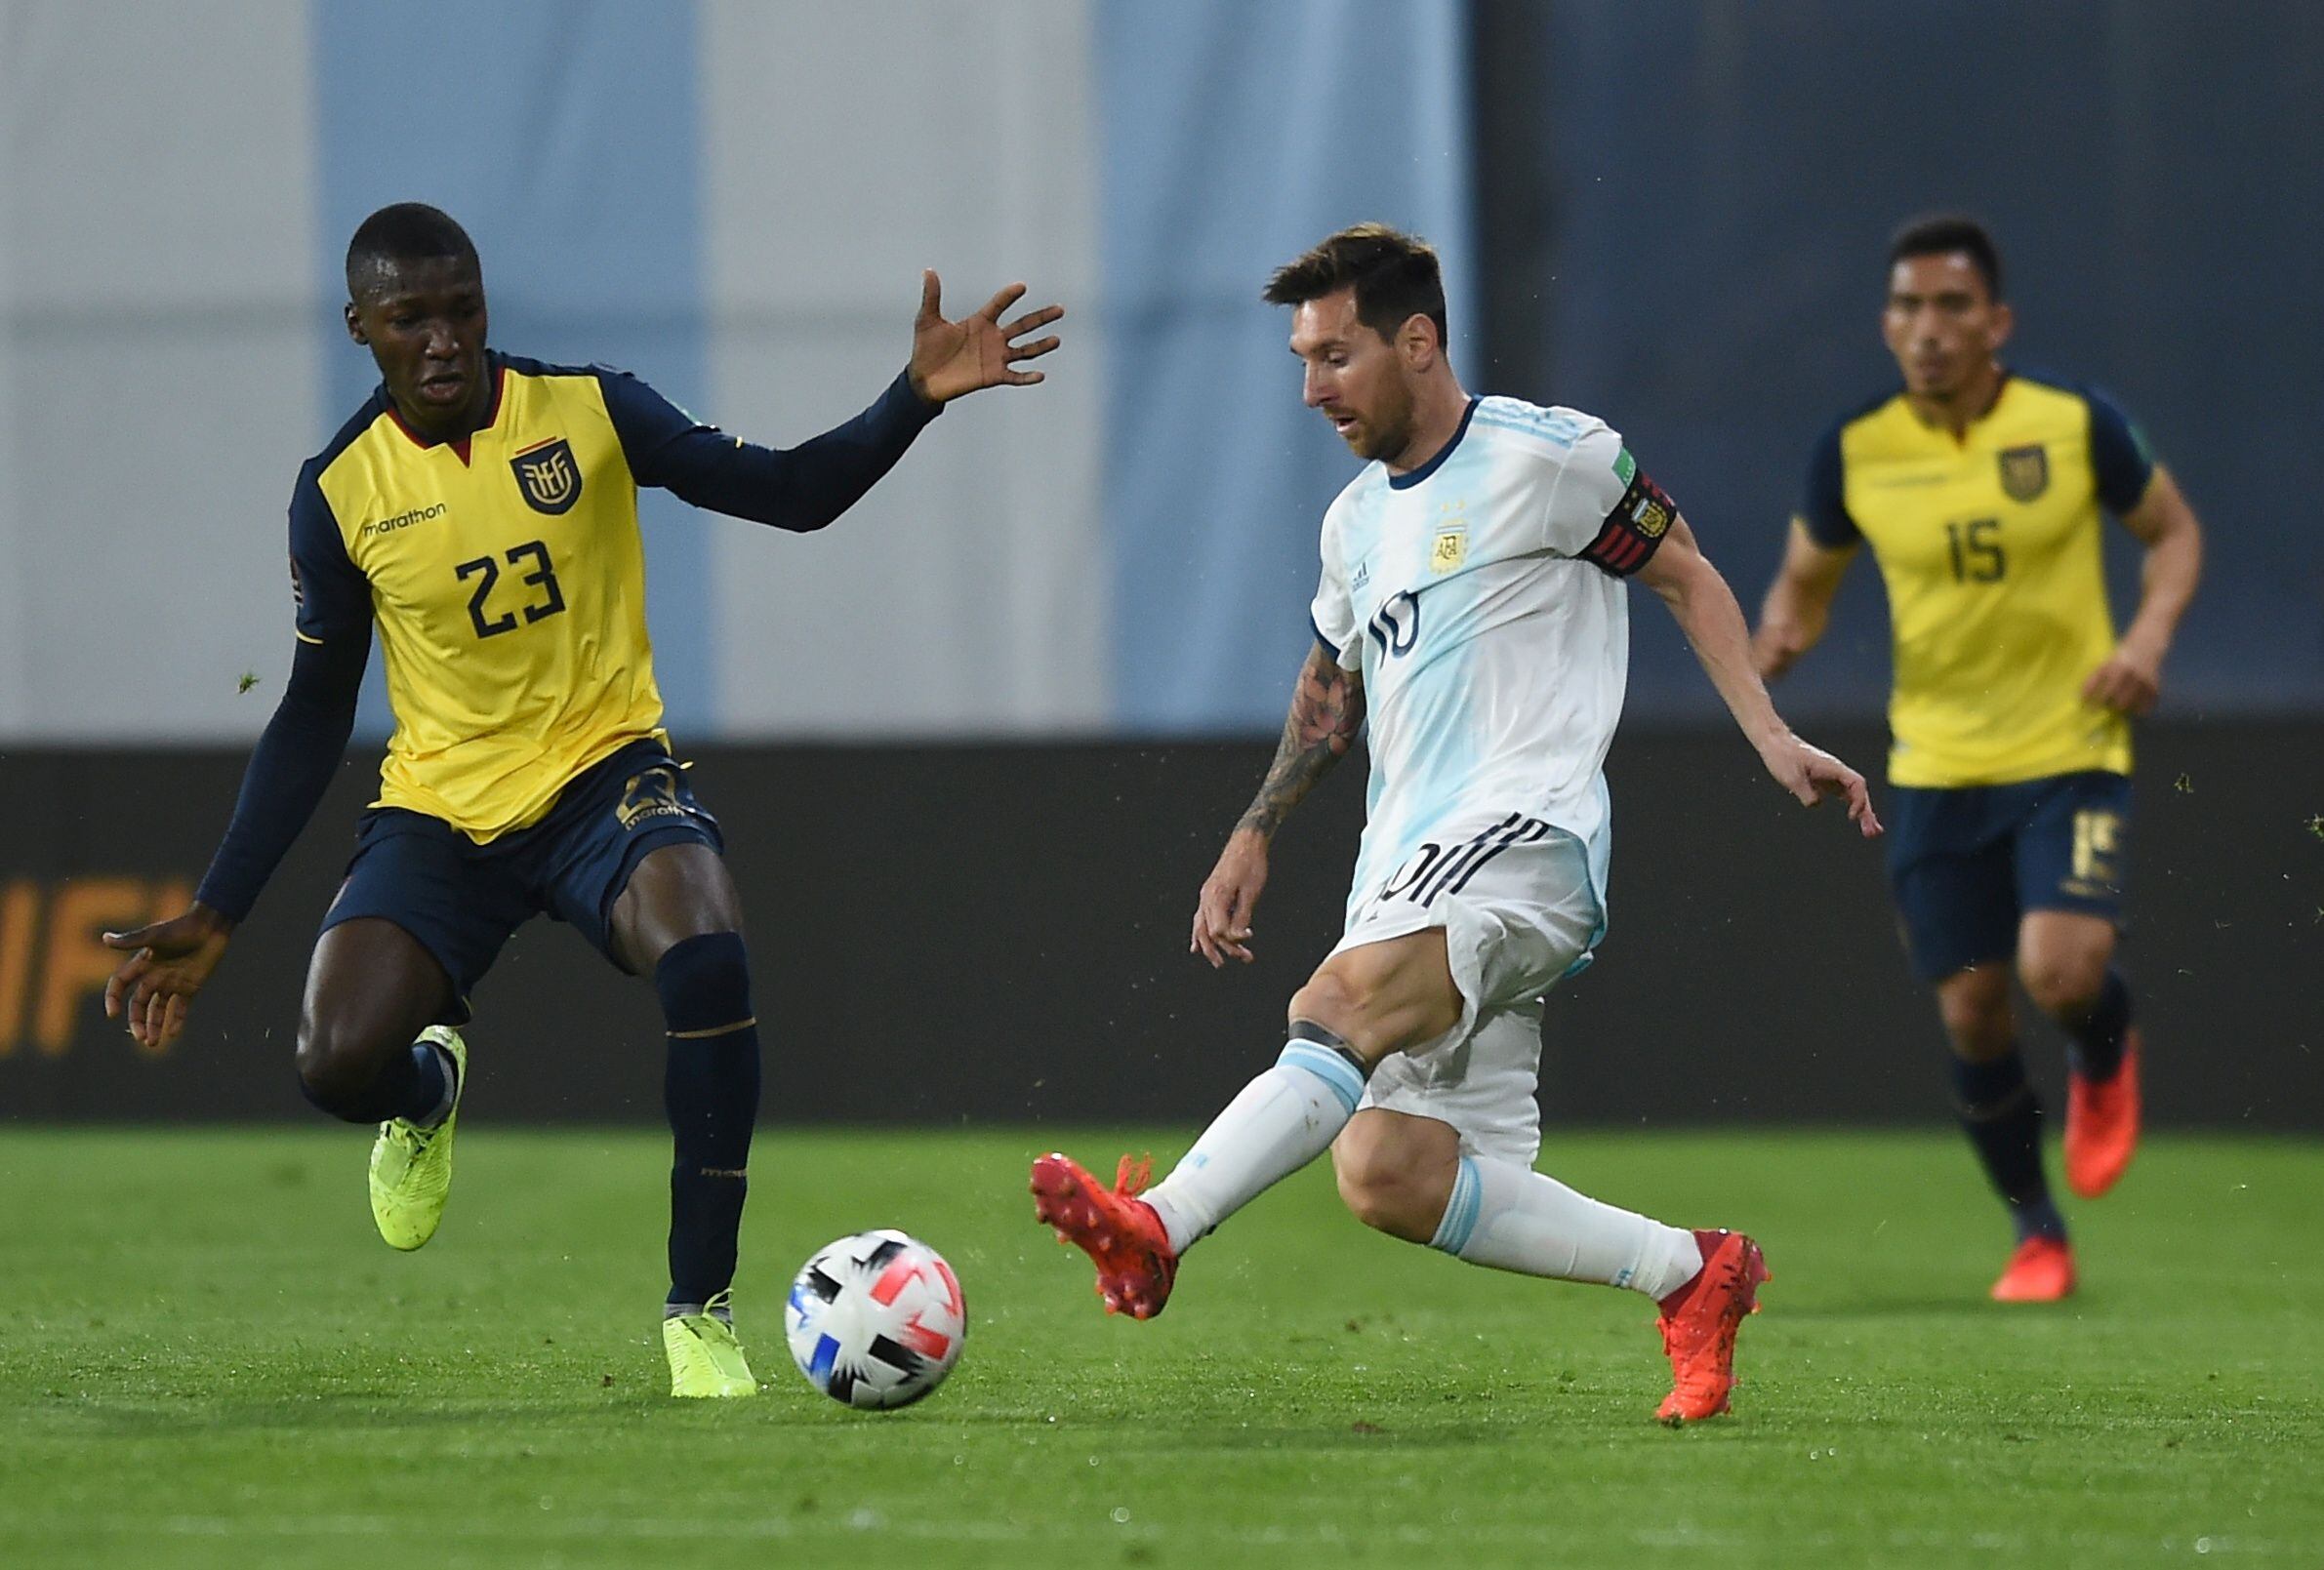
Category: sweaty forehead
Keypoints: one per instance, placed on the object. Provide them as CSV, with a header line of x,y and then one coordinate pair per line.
x,y
382,278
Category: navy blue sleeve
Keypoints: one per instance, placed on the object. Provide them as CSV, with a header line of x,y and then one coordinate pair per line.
x,y
332,596
800,488
1823,508
2119,457
301,746
298,754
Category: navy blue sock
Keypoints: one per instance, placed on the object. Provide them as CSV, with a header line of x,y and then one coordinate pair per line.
x,y
2003,1118
711,1089
409,1085
2095,1047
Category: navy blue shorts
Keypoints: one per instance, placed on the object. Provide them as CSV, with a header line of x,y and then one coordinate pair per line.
x,y
461,899
1967,864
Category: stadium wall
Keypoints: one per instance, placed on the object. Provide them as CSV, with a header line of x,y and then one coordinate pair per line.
x,y
998,933
1683,208
733,198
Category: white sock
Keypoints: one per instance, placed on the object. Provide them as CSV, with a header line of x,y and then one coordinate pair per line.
x,y
1283,1120
1513,1217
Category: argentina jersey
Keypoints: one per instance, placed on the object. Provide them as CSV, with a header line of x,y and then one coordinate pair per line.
x,y
1478,597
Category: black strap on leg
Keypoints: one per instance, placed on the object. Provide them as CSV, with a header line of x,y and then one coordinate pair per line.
x,y
1330,1041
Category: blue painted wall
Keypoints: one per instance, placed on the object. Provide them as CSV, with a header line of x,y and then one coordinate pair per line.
x,y
1235,136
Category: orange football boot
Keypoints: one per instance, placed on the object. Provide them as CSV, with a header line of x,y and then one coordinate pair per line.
x,y
2042,1270
1698,1322
2102,1123
1119,1232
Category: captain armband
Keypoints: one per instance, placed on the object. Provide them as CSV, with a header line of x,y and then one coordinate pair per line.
x,y
1634,529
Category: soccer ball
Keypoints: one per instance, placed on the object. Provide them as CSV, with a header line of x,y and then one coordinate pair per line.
x,y
875,1320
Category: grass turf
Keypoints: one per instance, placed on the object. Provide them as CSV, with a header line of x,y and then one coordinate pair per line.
x,y
206,1358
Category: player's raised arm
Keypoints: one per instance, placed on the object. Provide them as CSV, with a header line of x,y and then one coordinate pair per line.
x,y
1707,613
807,487
1326,714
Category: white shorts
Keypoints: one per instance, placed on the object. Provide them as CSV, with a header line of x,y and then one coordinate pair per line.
x,y
1520,912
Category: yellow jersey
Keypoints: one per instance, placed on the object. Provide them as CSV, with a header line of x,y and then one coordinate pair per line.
x,y
1989,545
507,579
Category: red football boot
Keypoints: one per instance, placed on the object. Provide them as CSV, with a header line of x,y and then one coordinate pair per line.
x,y
1698,1323
2102,1123
1119,1232
2042,1270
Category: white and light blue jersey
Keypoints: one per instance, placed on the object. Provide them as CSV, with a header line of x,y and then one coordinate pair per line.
x,y
1478,597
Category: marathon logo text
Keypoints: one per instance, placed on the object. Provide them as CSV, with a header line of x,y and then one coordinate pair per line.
x,y
401,520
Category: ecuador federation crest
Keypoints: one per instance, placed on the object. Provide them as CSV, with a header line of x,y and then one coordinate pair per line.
x,y
548,475
2024,472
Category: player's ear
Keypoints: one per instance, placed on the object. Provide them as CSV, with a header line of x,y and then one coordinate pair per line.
x,y
1417,341
354,325
2005,322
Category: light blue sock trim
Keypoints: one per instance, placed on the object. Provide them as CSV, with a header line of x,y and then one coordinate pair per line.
x,y
1328,1067
1461,1211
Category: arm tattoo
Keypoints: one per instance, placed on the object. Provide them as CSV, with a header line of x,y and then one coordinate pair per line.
x,y
1326,713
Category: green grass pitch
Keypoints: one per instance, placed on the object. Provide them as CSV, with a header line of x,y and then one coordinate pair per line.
x,y
207,1358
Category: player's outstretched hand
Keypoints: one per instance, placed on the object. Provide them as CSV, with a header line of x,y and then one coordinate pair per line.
x,y
951,359
2128,683
1222,915
168,963
1811,774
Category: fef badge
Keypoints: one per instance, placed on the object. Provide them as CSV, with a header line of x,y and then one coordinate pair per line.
x,y
548,475
2025,472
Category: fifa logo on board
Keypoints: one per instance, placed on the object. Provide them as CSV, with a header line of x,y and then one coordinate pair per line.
x,y
548,475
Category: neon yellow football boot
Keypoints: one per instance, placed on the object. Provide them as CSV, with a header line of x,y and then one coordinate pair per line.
x,y
705,1358
411,1168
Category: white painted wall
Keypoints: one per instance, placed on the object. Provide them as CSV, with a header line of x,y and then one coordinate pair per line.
x,y
157,361
965,596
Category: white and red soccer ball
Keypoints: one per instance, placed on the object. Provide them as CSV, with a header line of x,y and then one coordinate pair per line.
x,y
875,1320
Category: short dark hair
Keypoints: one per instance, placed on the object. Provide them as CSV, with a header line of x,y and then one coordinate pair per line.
x,y
1944,234
404,231
1395,274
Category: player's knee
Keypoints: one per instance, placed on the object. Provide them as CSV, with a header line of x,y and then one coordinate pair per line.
x,y
1977,1018
1374,1009
1384,1187
2064,984
1347,1004
338,1066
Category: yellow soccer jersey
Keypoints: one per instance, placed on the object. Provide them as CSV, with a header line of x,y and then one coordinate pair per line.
x,y
507,579
1991,549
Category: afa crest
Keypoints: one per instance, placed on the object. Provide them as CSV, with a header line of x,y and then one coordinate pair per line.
x,y
1451,549
549,476
2024,472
